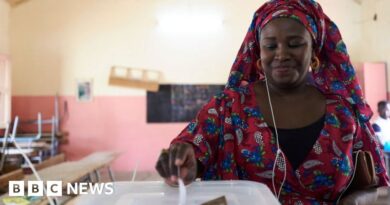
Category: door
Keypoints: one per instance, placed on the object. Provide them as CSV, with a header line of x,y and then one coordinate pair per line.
x,y
5,91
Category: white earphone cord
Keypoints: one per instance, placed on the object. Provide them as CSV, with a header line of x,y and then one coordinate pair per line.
x,y
284,158
352,177
278,147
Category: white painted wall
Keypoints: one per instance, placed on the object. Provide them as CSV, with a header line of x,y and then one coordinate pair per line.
x,y
375,43
53,43
4,27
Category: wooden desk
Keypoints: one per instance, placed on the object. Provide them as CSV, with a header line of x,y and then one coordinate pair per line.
x,y
19,175
72,171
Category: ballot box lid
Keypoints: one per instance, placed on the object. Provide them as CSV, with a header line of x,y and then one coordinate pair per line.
x,y
236,192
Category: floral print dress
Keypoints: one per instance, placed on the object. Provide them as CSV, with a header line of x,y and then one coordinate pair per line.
x,y
232,141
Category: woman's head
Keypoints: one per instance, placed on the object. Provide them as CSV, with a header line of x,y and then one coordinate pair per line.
x,y
286,52
335,73
384,109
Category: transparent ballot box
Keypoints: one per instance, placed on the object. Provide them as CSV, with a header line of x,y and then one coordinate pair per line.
x,y
158,193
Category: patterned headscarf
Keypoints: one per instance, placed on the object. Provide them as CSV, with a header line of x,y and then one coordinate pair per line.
x,y
335,74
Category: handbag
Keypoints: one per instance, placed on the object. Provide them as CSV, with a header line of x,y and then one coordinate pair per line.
x,y
364,176
361,189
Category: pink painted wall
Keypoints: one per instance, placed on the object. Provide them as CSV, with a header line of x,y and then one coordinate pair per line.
x,y
107,123
375,84
372,78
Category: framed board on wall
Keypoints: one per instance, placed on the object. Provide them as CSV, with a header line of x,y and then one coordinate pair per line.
x,y
178,103
84,90
5,91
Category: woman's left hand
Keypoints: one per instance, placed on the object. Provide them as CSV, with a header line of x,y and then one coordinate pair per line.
x,y
361,197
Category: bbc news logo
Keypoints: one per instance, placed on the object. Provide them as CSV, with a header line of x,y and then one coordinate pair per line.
x,y
54,188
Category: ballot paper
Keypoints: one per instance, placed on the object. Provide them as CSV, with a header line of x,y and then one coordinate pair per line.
x,y
182,189
182,193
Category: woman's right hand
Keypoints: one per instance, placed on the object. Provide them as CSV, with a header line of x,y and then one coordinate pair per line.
x,y
179,155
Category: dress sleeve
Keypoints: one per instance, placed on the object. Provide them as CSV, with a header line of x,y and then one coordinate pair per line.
x,y
203,132
366,140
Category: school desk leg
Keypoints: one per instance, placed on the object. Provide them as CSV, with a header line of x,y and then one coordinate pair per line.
x,y
110,173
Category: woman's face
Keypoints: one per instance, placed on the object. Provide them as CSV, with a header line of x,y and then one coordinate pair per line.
x,y
286,52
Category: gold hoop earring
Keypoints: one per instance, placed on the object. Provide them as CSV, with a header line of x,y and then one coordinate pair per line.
x,y
315,64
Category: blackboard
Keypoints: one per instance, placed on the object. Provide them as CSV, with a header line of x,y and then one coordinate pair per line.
x,y
178,102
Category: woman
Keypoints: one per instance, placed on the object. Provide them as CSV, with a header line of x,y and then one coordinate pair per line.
x,y
278,123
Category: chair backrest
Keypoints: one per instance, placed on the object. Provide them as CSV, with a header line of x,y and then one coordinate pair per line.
x,y
5,141
4,147
14,128
32,136
5,137
39,135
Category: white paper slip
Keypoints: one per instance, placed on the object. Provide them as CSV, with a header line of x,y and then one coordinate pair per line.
x,y
182,189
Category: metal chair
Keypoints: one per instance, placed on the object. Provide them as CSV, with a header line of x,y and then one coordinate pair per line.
x,y
4,147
